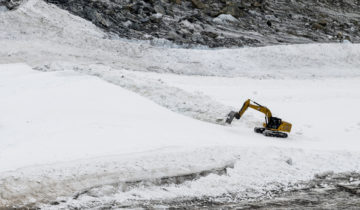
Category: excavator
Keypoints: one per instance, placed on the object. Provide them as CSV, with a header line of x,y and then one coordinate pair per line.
x,y
273,126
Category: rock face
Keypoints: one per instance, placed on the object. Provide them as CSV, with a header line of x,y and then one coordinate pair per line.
x,y
223,23
10,4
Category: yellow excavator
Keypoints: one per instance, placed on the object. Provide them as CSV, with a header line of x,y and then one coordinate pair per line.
x,y
273,126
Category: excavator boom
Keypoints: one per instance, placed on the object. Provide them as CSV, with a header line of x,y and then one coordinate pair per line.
x,y
245,106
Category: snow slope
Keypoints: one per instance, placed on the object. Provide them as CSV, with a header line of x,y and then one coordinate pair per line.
x,y
67,112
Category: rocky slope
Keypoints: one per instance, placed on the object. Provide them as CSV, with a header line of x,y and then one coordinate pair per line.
x,y
223,23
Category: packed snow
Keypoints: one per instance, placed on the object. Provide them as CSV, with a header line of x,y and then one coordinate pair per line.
x,y
81,112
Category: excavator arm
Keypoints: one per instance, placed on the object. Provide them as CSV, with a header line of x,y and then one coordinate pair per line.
x,y
252,104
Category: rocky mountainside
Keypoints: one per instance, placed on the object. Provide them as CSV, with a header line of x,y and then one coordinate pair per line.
x,y
223,23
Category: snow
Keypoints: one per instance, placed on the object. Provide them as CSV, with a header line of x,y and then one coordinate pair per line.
x,y
74,116
3,9
158,15
225,18
127,23
187,24
83,112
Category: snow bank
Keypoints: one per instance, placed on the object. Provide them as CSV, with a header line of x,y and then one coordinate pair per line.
x,y
46,183
296,61
257,172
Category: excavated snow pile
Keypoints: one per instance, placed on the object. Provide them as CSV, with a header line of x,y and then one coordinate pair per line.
x,y
195,105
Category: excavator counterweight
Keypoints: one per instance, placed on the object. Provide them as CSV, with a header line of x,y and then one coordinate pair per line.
x,y
273,126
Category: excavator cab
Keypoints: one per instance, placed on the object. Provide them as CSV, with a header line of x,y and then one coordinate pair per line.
x,y
273,123
273,126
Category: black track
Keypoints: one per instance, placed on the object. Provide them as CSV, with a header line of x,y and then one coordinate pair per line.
x,y
270,133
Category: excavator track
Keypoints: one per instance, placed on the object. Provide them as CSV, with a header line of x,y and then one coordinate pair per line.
x,y
270,133
275,134
259,130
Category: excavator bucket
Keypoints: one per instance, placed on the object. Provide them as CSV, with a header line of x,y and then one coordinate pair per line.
x,y
230,117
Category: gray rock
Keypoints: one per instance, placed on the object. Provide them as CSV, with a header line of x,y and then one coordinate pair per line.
x,y
172,35
10,4
198,4
159,9
289,161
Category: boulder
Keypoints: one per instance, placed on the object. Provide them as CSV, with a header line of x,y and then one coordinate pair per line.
x,y
198,4
232,9
11,4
